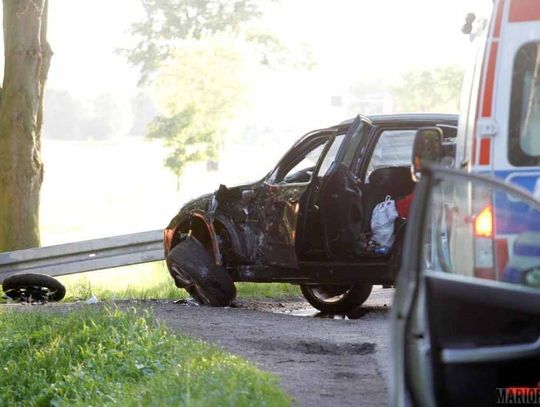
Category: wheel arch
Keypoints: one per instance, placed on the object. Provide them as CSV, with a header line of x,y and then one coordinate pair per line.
x,y
212,231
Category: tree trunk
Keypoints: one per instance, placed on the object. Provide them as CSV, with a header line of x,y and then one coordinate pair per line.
x,y
27,56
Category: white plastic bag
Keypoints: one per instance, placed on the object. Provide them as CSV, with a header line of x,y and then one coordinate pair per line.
x,y
382,222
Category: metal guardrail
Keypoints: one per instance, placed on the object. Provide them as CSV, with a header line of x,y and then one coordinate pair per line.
x,y
84,256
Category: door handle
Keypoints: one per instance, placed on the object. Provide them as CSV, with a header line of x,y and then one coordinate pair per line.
x,y
491,353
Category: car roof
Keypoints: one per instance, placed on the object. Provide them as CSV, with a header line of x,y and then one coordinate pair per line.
x,y
421,119
379,119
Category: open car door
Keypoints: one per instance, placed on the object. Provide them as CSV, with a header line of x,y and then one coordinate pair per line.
x,y
466,314
284,196
340,197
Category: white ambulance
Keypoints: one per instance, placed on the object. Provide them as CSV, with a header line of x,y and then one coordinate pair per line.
x,y
466,310
499,126
499,130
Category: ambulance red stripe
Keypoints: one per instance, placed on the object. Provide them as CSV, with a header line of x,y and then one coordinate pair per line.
x,y
498,19
485,108
490,80
485,151
524,10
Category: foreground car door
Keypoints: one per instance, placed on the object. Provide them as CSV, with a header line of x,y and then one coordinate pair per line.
x,y
466,315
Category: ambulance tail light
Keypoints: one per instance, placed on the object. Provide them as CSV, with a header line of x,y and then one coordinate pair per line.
x,y
483,223
484,264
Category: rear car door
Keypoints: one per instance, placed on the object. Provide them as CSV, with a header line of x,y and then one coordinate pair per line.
x,y
466,314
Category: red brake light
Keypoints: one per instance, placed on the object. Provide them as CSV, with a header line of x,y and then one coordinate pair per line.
x,y
483,223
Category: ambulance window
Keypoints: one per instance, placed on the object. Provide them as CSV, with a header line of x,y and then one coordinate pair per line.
x,y
524,124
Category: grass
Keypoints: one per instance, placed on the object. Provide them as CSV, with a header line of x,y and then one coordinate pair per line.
x,y
102,356
152,281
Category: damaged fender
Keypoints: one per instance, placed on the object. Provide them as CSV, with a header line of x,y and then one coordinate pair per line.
x,y
213,230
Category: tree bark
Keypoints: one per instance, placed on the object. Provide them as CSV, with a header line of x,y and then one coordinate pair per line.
x,y
27,57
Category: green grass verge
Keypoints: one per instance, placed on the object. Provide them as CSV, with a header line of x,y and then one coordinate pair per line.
x,y
152,281
100,357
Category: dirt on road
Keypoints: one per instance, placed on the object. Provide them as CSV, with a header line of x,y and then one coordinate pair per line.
x,y
319,361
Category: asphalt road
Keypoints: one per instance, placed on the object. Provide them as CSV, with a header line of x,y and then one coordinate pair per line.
x,y
319,361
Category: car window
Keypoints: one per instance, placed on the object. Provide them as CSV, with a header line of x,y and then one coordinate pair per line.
x,y
300,163
524,124
477,230
393,148
356,140
331,154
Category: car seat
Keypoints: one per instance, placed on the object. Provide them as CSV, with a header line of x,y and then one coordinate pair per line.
x,y
394,181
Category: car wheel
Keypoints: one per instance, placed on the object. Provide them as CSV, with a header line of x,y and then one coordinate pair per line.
x,y
193,268
336,299
33,287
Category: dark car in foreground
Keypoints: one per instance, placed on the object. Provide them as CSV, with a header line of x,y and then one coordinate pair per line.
x,y
466,311
306,222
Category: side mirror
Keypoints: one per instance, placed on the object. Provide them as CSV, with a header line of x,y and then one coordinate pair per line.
x,y
427,149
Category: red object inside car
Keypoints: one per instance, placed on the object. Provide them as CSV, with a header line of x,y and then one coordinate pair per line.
x,y
403,205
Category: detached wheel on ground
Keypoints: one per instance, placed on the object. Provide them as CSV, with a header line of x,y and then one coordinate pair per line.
x,y
33,287
336,299
193,268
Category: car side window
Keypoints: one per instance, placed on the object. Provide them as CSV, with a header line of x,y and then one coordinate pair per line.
x,y
331,154
478,230
300,166
393,148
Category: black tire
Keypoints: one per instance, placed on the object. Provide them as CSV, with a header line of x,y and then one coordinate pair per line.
x,y
33,287
336,299
193,268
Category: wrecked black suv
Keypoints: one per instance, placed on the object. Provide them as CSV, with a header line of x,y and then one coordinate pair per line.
x,y
308,221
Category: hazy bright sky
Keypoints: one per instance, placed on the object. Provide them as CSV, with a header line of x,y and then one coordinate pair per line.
x,y
349,38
